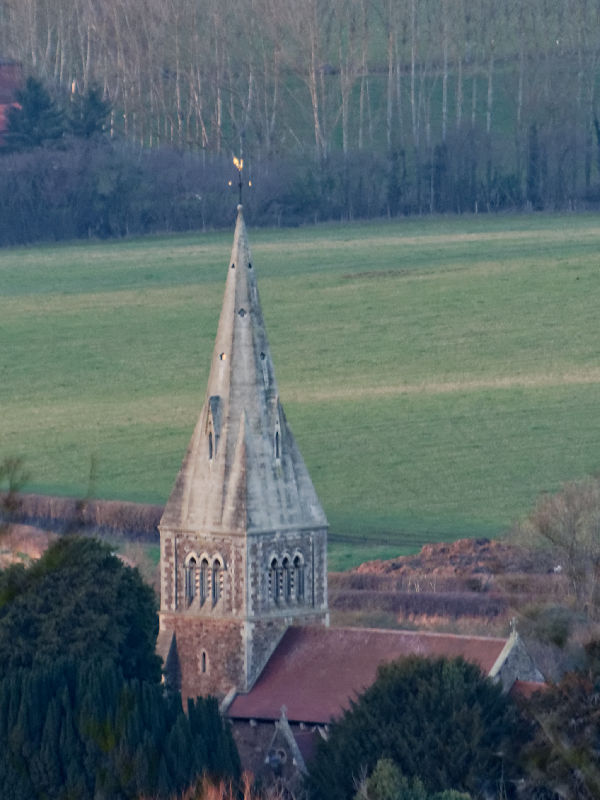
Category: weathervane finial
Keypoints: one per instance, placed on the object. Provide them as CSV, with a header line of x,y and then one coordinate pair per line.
x,y
239,165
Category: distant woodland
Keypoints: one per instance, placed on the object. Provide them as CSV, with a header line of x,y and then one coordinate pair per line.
x,y
342,108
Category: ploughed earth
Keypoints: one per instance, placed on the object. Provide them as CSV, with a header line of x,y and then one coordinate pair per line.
x,y
467,586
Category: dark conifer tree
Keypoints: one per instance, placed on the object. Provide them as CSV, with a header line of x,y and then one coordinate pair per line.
x,y
88,114
129,742
78,600
82,711
437,720
35,121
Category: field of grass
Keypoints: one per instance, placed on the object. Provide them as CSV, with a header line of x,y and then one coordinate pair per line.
x,y
438,374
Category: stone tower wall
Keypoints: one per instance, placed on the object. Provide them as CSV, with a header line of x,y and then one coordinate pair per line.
x,y
228,643
311,546
176,550
221,642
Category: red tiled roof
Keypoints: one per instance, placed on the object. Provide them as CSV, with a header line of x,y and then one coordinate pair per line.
x,y
314,672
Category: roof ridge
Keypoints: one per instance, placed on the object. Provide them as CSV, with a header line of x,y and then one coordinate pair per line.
x,y
406,632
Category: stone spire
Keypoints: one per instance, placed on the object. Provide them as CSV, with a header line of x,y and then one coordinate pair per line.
x,y
243,472
243,536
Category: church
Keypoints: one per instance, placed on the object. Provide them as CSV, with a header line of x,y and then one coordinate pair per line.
x,y
243,563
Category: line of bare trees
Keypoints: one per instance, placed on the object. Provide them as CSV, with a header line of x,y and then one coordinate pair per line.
x,y
473,103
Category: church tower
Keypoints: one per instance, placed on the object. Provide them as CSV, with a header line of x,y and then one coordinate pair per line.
x,y
243,535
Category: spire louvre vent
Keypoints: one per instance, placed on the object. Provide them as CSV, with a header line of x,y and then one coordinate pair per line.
x,y
242,312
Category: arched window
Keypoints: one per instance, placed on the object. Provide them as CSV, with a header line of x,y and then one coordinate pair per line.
x,y
299,577
277,446
210,446
273,579
190,579
275,586
286,580
203,580
216,581
203,662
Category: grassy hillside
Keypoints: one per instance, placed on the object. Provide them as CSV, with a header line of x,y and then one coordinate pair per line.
x,y
438,374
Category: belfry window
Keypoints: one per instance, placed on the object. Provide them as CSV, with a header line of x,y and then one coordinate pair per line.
x,y
203,581
275,581
203,662
216,581
287,580
299,577
190,580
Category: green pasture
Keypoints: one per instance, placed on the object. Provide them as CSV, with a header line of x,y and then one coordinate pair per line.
x,y
438,374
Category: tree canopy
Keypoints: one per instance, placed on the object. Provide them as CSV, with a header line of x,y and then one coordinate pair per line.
x,y
82,711
371,107
386,782
78,601
83,731
440,721
563,754
88,113
36,120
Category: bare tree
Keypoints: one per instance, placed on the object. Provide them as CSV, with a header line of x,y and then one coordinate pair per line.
x,y
569,521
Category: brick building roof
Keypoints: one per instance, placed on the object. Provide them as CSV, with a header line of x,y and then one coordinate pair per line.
x,y
314,672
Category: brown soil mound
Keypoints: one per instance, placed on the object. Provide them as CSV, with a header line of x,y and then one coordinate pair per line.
x,y
464,557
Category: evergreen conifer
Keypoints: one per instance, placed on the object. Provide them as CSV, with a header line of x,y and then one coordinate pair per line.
x,y
36,120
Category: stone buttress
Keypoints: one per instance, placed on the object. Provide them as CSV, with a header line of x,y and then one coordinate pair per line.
x,y
243,535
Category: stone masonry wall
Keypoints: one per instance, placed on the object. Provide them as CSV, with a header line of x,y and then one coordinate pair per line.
x,y
225,644
177,547
221,642
311,545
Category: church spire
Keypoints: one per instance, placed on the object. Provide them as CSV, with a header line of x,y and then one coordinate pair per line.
x,y
243,535
243,470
